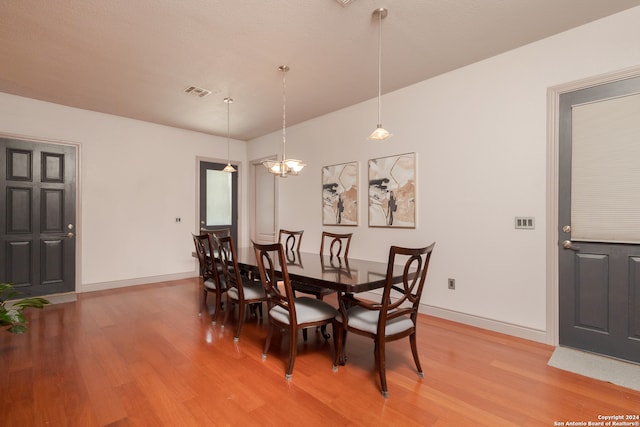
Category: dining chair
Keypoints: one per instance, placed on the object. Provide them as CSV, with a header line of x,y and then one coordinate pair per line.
x,y
285,311
241,290
291,241
209,274
338,244
338,248
220,232
394,316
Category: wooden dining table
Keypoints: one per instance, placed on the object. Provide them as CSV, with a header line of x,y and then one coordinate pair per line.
x,y
346,275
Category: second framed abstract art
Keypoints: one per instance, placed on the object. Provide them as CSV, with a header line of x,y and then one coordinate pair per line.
x,y
340,194
392,191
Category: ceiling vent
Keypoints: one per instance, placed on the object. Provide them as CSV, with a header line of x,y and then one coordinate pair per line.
x,y
197,91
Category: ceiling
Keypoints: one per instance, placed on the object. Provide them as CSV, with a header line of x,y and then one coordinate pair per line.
x,y
135,58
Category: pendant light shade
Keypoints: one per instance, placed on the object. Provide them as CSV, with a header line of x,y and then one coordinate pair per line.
x,y
228,168
379,133
285,167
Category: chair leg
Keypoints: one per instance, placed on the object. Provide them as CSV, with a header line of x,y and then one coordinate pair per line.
x,y
241,308
203,301
218,307
227,311
380,360
339,340
293,349
414,350
336,344
267,342
323,328
323,331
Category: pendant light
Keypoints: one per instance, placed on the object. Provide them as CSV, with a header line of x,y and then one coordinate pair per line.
x,y
228,168
380,133
285,167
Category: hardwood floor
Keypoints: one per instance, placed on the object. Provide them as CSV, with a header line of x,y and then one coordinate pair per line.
x,y
141,356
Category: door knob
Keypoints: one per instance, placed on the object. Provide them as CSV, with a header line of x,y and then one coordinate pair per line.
x,y
70,235
567,244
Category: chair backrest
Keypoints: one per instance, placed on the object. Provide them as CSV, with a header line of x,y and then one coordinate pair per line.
x,y
220,232
338,243
201,242
403,298
291,242
204,249
268,256
226,252
292,239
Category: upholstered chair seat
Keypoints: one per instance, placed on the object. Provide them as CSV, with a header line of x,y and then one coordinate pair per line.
x,y
307,310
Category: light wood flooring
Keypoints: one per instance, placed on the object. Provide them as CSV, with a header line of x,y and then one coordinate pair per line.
x,y
141,356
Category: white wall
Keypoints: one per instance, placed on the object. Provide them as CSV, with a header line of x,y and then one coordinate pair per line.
x,y
480,134
136,178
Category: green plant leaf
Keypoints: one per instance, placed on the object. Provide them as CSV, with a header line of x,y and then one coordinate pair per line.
x,y
31,302
18,329
13,316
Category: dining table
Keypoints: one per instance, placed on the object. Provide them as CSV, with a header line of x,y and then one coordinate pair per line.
x,y
344,275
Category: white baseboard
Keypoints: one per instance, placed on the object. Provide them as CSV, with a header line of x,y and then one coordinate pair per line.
x,y
101,286
477,321
455,316
489,324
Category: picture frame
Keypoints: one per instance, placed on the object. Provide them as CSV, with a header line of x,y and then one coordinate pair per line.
x,y
392,191
340,194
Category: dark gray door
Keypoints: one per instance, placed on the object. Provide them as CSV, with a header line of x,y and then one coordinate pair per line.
x,y
37,216
599,255
218,198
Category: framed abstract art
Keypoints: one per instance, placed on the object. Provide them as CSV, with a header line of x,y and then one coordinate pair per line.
x,y
392,191
340,194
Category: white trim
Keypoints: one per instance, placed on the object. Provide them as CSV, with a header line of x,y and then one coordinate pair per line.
x,y
476,321
101,286
553,98
484,323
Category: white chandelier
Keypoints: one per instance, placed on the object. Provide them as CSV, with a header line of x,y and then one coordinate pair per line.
x,y
285,167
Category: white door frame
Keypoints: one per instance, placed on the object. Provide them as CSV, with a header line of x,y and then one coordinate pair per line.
x,y
252,198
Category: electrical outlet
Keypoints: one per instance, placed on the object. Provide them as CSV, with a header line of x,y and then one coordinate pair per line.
x,y
451,283
525,223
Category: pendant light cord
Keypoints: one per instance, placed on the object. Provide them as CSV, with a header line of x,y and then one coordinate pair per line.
x,y
228,100
284,116
379,63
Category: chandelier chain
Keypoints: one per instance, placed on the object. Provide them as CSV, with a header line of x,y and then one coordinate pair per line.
x,y
284,115
379,62
228,101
